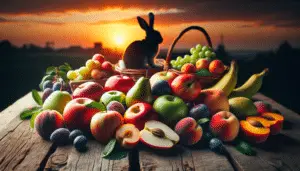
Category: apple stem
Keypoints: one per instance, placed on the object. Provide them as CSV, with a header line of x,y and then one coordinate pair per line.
x,y
61,85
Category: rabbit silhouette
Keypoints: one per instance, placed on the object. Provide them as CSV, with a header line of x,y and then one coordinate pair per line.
x,y
141,54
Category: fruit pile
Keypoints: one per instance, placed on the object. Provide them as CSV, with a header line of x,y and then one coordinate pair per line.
x,y
95,68
158,112
201,61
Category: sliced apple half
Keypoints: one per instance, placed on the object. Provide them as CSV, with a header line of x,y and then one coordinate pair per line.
x,y
128,135
158,135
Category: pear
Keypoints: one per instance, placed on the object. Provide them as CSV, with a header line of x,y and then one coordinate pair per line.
x,y
57,101
242,107
140,92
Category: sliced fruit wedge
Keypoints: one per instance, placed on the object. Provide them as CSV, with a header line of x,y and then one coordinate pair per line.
x,y
158,135
128,135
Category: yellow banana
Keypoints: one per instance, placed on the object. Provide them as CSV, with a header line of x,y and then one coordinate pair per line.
x,y
251,86
228,81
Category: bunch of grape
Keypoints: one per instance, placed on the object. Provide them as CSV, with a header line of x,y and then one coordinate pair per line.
x,y
55,79
197,53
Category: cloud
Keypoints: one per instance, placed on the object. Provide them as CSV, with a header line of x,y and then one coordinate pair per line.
x,y
262,13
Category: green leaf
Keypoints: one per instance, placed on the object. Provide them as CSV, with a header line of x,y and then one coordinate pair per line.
x,y
36,96
202,121
117,155
96,105
63,75
28,112
32,119
109,148
66,67
245,148
50,69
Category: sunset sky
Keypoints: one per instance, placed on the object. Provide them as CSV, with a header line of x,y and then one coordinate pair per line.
x,y
244,24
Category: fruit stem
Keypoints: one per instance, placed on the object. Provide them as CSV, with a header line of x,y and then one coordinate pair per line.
x,y
264,72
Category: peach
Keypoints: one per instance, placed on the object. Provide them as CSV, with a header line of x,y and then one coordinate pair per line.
x,y
275,120
48,121
189,131
225,125
78,115
216,67
202,64
188,68
254,130
128,136
215,100
104,125
91,90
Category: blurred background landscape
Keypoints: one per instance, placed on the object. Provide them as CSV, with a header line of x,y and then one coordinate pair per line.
x,y
258,35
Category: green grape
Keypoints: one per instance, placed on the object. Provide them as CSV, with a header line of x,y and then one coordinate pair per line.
x,y
192,50
204,48
199,47
208,53
193,61
181,61
178,58
187,58
194,57
213,54
173,62
201,54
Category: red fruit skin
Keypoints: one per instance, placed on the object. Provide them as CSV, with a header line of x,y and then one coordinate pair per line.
x,y
119,83
216,67
143,114
91,90
99,57
186,87
262,107
48,121
188,68
104,125
189,131
107,66
77,115
225,125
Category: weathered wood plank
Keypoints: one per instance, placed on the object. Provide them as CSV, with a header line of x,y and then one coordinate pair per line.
x,y
67,158
280,152
22,149
10,116
183,158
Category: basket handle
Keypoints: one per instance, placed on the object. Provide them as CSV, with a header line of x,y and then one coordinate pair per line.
x,y
170,51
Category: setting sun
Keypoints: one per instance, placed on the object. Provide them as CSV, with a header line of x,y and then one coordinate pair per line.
x,y
119,40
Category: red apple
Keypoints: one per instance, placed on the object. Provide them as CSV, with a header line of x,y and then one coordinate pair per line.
x,y
107,66
186,86
89,90
202,64
216,67
119,82
139,113
78,115
188,68
163,75
99,57
105,124
225,125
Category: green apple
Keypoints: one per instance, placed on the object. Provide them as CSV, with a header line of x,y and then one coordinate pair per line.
x,y
113,95
170,108
57,101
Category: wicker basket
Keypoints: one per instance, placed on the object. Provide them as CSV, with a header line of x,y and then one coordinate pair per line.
x,y
205,81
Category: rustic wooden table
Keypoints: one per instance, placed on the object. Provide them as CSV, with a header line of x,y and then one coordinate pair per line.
x,y
22,149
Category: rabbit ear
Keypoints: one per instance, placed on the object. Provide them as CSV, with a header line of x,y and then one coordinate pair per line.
x,y
143,23
151,20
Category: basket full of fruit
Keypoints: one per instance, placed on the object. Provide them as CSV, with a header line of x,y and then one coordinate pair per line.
x,y
96,69
202,62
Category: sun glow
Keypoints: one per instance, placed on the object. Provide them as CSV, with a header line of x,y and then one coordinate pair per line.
x,y
119,40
